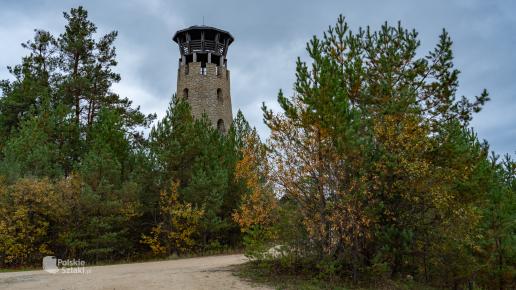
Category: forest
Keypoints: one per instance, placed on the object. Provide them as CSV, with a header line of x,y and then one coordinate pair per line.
x,y
371,172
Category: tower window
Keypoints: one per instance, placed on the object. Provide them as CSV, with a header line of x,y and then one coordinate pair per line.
x,y
219,95
220,126
185,94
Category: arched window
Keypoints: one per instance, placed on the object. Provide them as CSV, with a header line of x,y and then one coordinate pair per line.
x,y
219,95
185,94
220,126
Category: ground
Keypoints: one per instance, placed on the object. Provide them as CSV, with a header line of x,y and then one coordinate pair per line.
x,y
196,273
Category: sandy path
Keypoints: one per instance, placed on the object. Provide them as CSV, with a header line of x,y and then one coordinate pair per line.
x,y
196,273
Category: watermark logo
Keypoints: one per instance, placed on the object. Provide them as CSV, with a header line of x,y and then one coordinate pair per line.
x,y
50,264
53,265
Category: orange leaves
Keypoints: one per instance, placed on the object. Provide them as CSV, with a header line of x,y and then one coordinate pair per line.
x,y
154,241
253,170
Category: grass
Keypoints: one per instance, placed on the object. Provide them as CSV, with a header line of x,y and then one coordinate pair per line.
x,y
262,274
153,258
139,259
22,269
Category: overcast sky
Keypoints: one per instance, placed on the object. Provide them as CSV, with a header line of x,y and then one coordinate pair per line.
x,y
270,35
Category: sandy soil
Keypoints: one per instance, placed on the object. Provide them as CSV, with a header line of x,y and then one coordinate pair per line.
x,y
195,273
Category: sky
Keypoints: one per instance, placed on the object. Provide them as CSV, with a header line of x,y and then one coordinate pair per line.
x,y
270,35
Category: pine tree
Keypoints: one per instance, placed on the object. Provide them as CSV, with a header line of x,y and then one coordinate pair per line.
x,y
30,91
31,152
191,152
375,153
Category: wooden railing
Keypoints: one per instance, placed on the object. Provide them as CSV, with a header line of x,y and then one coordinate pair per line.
x,y
198,45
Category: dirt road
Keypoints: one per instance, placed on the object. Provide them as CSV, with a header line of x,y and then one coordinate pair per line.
x,y
195,273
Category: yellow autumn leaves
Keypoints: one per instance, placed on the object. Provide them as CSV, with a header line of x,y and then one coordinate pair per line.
x,y
179,223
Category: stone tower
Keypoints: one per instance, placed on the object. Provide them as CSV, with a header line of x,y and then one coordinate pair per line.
x,y
203,76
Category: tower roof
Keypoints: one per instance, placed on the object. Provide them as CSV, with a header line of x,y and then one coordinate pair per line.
x,y
223,33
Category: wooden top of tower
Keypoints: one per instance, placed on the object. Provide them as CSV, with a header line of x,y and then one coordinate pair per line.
x,y
200,38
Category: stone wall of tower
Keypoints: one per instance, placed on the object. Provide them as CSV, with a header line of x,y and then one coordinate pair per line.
x,y
203,95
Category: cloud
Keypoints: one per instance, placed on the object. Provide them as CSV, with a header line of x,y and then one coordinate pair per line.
x,y
16,28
